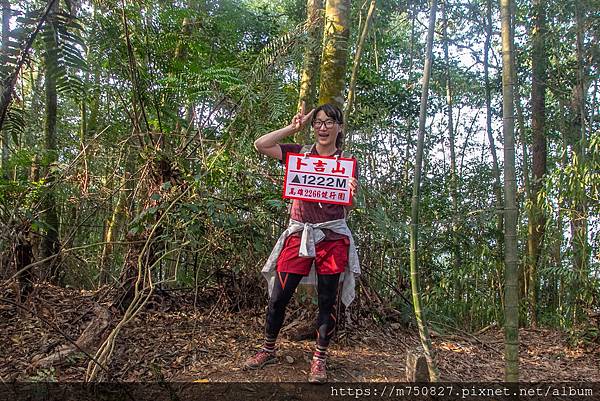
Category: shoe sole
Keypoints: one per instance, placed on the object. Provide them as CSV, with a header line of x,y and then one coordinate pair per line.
x,y
315,380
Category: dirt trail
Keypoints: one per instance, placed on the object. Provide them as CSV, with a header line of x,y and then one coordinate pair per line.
x,y
184,344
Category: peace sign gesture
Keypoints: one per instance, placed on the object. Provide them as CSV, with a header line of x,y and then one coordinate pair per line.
x,y
300,119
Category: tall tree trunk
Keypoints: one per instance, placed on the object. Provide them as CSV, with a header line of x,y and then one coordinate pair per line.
x,y
50,244
521,137
414,216
521,134
5,32
511,285
456,254
490,135
312,54
488,106
409,120
311,61
537,219
579,225
355,66
335,52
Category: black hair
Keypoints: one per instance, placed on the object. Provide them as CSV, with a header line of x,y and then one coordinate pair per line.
x,y
332,111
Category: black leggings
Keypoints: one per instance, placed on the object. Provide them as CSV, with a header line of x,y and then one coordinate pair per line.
x,y
285,285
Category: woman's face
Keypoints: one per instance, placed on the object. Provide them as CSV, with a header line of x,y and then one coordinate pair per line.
x,y
326,129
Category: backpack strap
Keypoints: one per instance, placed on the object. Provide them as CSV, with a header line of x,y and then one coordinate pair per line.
x,y
307,148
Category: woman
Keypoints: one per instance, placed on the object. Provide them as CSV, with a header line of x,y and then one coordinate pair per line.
x,y
334,252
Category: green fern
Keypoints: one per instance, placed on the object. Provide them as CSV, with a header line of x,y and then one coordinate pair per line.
x,y
276,51
205,82
263,99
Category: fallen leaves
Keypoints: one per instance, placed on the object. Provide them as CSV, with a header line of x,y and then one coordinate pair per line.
x,y
185,344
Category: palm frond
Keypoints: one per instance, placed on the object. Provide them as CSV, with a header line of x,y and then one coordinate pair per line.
x,y
64,44
14,122
17,39
12,59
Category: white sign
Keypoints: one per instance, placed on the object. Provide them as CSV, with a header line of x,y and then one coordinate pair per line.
x,y
315,178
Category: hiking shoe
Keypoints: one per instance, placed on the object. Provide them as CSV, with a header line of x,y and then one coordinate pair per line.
x,y
318,371
260,359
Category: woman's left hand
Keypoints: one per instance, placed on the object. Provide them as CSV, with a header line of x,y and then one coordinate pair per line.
x,y
353,186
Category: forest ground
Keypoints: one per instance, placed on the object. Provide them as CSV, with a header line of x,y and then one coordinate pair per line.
x,y
174,341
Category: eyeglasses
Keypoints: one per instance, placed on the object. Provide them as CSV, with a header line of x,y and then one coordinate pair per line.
x,y
318,123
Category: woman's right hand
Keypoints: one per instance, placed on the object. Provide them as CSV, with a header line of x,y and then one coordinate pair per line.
x,y
268,144
300,119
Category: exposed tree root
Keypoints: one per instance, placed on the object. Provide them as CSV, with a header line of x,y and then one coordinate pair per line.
x,y
95,332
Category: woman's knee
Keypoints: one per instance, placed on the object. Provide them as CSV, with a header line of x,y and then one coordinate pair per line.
x,y
277,303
